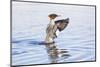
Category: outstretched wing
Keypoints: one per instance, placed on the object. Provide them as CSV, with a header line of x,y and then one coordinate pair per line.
x,y
62,24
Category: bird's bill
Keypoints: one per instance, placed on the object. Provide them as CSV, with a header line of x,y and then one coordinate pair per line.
x,y
59,16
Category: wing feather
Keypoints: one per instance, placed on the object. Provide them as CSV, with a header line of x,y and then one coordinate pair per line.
x,y
62,24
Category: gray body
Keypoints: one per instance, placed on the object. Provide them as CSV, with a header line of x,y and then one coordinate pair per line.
x,y
53,28
51,32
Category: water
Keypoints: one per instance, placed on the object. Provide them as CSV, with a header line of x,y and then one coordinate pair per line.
x,y
29,21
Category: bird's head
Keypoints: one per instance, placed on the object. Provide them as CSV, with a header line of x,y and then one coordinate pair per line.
x,y
53,16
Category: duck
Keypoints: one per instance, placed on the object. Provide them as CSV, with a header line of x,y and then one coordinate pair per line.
x,y
55,27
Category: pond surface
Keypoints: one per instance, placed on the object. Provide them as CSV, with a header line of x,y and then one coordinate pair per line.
x,y
29,21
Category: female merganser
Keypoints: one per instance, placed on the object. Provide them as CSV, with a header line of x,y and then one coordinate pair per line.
x,y
54,27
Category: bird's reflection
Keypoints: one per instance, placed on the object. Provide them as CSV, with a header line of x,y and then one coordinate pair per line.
x,y
55,53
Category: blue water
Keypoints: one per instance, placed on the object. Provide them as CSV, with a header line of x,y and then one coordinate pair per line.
x,y
29,21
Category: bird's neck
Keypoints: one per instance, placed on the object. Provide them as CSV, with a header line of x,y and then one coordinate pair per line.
x,y
52,22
